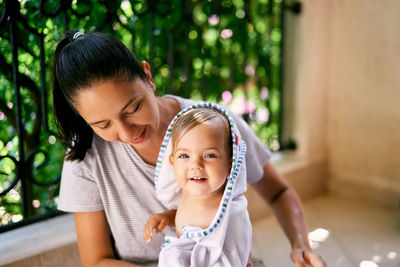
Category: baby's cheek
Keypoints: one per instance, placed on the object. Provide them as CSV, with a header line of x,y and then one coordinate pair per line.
x,y
179,176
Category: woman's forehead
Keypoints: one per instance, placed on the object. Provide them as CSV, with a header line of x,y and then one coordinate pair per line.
x,y
110,90
107,96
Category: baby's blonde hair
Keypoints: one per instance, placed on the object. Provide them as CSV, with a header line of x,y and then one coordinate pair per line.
x,y
197,116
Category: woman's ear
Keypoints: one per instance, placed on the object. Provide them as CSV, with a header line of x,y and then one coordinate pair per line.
x,y
171,160
149,77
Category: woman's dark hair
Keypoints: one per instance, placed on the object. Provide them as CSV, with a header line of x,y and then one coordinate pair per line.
x,y
78,63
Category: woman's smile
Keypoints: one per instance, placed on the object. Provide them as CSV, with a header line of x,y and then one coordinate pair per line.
x,y
141,137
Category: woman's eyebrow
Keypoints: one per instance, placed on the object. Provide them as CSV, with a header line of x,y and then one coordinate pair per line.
x,y
96,122
130,101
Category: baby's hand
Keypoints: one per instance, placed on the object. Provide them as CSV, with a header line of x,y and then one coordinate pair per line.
x,y
156,223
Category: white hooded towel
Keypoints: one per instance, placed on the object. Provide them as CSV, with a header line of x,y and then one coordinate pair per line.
x,y
227,241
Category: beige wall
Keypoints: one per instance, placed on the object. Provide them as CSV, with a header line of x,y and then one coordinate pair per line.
x,y
343,73
305,59
364,96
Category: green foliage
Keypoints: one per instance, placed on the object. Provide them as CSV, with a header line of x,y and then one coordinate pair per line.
x,y
227,53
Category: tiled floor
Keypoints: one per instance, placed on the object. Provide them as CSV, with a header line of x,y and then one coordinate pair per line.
x,y
350,233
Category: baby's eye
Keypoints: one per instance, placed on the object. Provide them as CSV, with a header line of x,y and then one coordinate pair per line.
x,y
183,156
211,156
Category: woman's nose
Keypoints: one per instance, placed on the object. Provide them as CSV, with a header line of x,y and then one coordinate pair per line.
x,y
125,131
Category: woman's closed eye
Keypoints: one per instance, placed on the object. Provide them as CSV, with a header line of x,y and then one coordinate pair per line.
x,y
133,110
103,127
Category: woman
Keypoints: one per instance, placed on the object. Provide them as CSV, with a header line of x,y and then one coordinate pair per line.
x,y
113,125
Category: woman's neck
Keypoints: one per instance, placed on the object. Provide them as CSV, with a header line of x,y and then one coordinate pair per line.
x,y
168,108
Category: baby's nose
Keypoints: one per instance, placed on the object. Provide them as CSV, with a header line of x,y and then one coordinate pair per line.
x,y
196,164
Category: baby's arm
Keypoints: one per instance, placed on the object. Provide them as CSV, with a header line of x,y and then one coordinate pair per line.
x,y
157,222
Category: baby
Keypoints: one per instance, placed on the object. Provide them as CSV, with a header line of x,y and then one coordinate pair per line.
x,y
203,142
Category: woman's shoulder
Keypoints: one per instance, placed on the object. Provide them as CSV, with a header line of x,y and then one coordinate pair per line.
x,y
98,158
183,102
98,149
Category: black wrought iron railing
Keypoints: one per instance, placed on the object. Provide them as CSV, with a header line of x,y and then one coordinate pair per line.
x,y
221,51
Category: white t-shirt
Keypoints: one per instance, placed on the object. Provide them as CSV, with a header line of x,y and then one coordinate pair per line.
x,y
114,178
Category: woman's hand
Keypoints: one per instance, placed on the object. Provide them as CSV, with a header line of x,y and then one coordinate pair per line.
x,y
285,204
157,222
306,258
249,263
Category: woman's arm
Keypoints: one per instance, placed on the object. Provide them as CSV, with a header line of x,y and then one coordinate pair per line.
x,y
94,240
285,204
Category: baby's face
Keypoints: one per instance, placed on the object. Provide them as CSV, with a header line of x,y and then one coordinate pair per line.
x,y
201,162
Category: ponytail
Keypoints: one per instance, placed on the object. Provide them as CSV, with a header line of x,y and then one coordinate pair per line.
x,y
75,133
